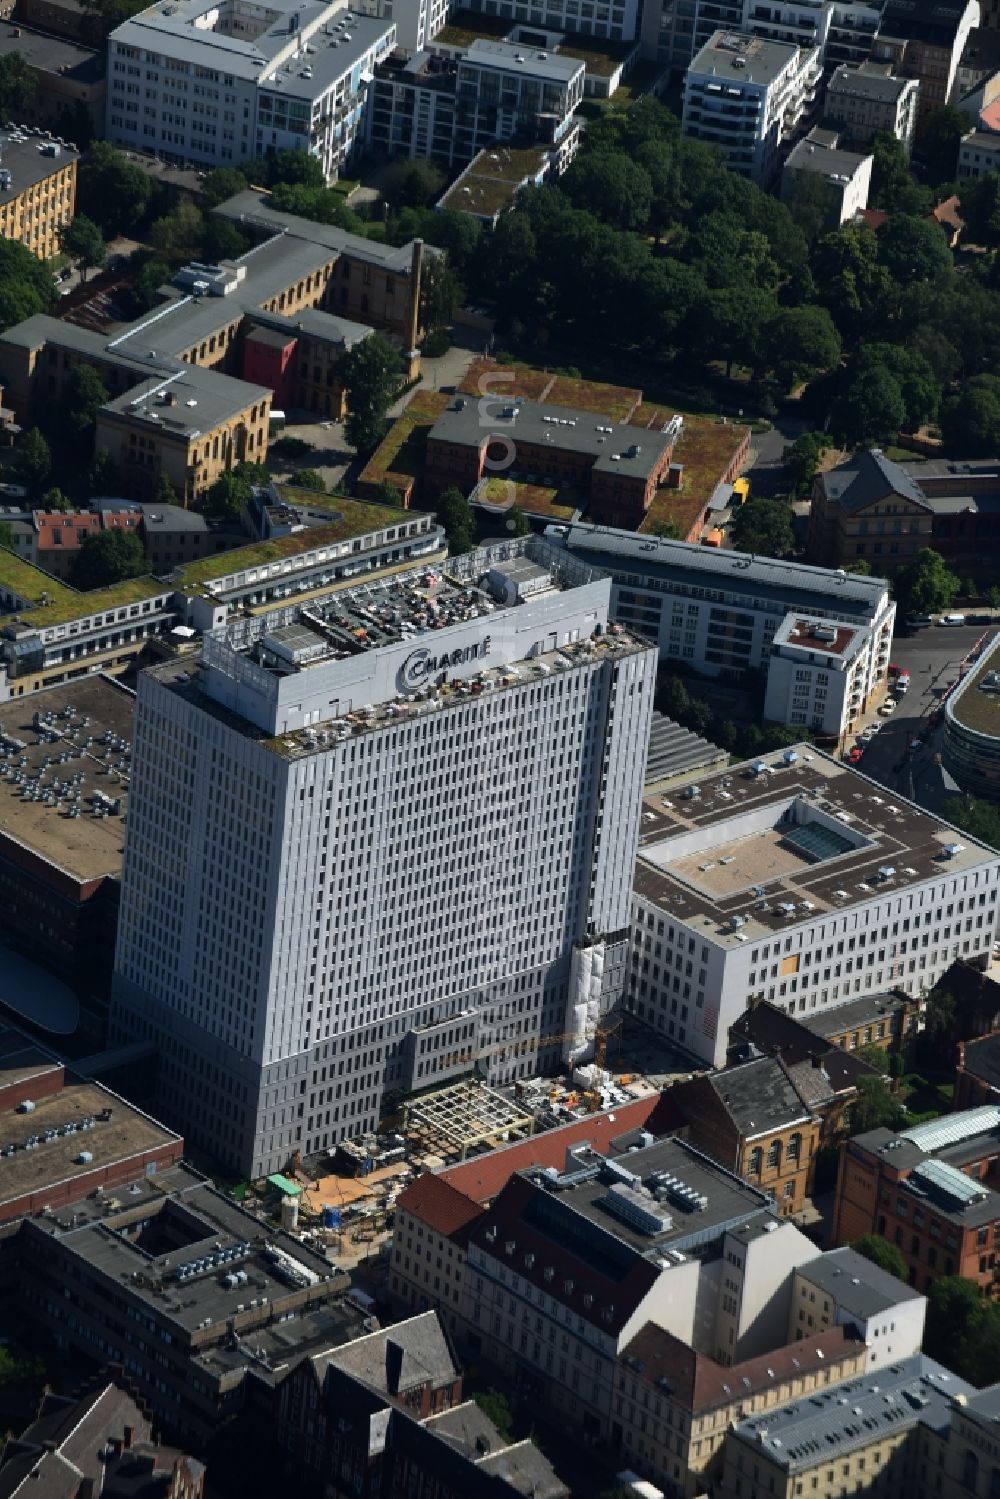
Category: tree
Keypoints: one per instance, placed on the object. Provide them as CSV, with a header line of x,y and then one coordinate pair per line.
x,y
802,458
83,393
438,292
308,478
222,183
221,240
517,522
412,184
912,249
371,372
764,526
104,475
873,1247
954,1323
108,557
869,407
924,586
112,191
54,499
144,293
798,342
454,513
162,492
874,1055
226,497
940,134
387,494
25,284
178,235
860,566
980,819
892,187
290,166
84,241
18,87
496,1407
970,418
34,459
611,186
667,530
6,536
981,211
875,1107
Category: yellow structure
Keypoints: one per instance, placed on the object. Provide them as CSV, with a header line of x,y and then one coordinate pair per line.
x,y
37,190
191,428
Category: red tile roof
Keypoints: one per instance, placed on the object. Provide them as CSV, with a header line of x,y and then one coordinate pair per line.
x,y
65,531
482,1178
443,1207
698,1383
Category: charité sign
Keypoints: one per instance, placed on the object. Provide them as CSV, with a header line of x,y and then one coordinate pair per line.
x,y
422,664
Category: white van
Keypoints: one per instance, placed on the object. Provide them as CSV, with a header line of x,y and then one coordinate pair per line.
x,y
951,619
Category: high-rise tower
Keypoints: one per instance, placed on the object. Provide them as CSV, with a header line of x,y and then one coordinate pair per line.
x,y
375,837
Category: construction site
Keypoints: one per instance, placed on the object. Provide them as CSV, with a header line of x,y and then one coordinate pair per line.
x,y
342,1202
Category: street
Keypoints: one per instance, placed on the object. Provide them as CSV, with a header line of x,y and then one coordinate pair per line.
x,y
766,473
932,657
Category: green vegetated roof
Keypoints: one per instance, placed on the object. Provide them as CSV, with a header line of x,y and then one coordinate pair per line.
x,y
397,454
533,499
354,518
600,58
63,602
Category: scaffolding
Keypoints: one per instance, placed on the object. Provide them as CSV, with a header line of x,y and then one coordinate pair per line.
x,y
466,1115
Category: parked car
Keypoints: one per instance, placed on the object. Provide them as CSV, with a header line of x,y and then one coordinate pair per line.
x,y
917,621
889,706
951,619
855,754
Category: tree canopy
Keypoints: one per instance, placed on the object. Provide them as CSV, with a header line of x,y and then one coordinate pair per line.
x,y
763,526
925,586
108,557
84,241
112,191
83,392
454,513
372,372
882,1253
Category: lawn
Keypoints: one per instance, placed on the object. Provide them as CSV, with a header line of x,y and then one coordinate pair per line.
x,y
403,449
927,1092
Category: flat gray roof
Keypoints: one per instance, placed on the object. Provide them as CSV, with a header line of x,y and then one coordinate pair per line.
x,y
867,81
519,57
757,854
26,162
824,1426
858,1286
825,161
616,447
788,585
202,399
252,208
738,57
52,54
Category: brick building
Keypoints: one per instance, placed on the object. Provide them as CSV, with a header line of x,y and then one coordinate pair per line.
x,y
751,1118
977,1073
673,1406
101,1444
930,1191
619,467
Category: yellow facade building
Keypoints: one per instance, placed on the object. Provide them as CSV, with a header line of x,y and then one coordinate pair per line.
x,y
37,189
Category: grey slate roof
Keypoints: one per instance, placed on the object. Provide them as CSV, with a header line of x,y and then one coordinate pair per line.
x,y
790,585
982,1059
868,477
758,1096
253,208
827,1426
859,1287
503,56
762,61
616,448
870,80
821,160
424,1348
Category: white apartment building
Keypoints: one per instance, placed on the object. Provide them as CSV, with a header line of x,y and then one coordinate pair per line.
x,y
821,171
406,806
750,96
803,23
820,674
843,1289
494,91
417,22
797,880
869,98
219,84
723,613
616,20
978,155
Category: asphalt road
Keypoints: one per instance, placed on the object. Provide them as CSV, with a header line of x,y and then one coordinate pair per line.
x,y
767,474
932,657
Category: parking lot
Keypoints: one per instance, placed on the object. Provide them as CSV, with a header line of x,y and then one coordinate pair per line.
x,y
932,657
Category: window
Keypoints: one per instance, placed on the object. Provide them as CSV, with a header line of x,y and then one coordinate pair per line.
x,y
756,1159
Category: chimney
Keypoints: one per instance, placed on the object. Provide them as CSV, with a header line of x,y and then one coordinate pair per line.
x,y
86,1489
127,1439
393,1365
416,270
